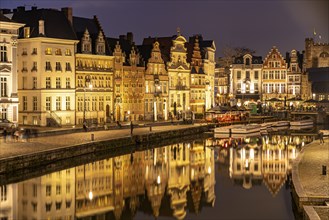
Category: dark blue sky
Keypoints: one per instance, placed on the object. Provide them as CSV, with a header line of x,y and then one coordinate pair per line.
x,y
257,24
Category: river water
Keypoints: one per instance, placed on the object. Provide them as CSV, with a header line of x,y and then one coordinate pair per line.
x,y
205,178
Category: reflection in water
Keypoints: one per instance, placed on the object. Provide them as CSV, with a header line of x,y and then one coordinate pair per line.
x,y
174,180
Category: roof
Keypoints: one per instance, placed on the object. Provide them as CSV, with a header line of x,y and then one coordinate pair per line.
x,y
91,24
254,60
55,22
4,18
318,74
320,87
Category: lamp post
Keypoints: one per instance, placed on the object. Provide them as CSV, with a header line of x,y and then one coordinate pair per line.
x,y
90,86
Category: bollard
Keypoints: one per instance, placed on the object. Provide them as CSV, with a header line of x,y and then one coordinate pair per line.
x,y
150,128
92,137
324,170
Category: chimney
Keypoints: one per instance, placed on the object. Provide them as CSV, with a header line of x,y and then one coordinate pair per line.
x,y
130,37
68,13
41,27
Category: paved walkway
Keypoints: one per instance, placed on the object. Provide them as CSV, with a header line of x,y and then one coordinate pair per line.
x,y
308,180
12,148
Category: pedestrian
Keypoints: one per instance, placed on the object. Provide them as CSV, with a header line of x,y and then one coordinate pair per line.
x,y
321,137
85,126
131,128
4,135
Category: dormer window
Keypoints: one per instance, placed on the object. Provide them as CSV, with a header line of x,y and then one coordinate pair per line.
x,y
86,42
100,44
26,32
247,61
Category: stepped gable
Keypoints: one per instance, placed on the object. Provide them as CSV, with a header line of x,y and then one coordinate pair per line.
x,y
56,24
275,50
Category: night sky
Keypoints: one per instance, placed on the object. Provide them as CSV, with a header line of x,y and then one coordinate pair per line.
x,y
256,24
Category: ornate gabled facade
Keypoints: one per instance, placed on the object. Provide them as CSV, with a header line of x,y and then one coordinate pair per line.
x,y
294,75
8,69
198,81
221,85
129,79
274,76
156,86
46,73
246,79
179,77
94,73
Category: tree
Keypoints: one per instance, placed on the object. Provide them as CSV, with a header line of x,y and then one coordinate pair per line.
x,y
230,53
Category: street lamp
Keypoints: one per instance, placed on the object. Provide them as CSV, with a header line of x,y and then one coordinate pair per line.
x,y
90,86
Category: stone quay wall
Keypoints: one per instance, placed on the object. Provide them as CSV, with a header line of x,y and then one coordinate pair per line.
x,y
16,165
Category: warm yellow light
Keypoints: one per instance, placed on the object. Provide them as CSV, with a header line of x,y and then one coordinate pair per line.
x,y
209,170
158,179
90,195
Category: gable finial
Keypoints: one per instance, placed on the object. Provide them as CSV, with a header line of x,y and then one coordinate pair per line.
x,y
178,31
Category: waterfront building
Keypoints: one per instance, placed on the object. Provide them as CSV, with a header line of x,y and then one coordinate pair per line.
x,y
246,79
8,69
294,74
156,83
221,85
50,196
94,72
316,54
46,73
129,79
274,76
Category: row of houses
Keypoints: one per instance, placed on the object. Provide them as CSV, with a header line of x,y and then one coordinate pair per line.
x,y
68,71
251,78
58,69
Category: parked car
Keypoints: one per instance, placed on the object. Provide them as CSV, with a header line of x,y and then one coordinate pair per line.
x,y
5,123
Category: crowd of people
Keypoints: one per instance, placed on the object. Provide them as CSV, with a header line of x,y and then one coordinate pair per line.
x,y
16,134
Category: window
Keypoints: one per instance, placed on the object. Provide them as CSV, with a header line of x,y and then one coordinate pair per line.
x,y
48,103
68,102
3,85
68,204
34,67
58,189
24,68
35,190
58,205
48,207
67,52
68,67
34,81
58,52
58,103
48,51
58,82
35,103
68,82
34,206
26,32
48,83
256,74
238,75
58,66
101,103
247,74
68,188
24,103
3,54
3,193
34,51
24,53
48,66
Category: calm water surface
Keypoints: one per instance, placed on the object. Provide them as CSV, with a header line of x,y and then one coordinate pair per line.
x,y
225,178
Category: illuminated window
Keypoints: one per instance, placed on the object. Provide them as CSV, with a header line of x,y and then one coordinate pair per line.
x,y
58,82
58,104
3,87
3,54
48,83
48,103
48,51
58,52
68,102
68,82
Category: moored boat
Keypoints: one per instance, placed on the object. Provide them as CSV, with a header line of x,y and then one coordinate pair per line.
x,y
280,123
245,129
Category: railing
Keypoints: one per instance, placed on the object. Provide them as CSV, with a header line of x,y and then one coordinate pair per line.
x,y
54,116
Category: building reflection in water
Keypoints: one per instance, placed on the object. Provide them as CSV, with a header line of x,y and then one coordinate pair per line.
x,y
166,181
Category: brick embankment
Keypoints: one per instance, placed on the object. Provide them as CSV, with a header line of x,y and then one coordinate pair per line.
x,y
310,187
21,157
